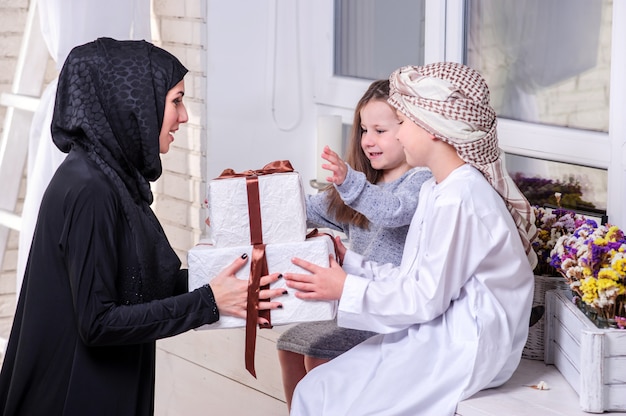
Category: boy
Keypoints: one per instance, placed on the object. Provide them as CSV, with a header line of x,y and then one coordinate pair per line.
x,y
453,317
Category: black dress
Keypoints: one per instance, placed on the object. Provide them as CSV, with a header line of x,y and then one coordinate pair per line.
x,y
73,349
102,282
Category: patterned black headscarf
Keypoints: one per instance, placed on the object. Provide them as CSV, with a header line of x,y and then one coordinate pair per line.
x,y
110,103
111,99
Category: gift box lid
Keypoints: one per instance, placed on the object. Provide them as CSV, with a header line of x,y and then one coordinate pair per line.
x,y
282,209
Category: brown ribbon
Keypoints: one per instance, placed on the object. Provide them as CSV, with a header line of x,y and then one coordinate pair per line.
x,y
258,266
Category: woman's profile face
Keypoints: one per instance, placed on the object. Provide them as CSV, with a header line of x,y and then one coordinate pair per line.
x,y
175,114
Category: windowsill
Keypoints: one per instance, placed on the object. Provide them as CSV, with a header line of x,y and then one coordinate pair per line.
x,y
517,398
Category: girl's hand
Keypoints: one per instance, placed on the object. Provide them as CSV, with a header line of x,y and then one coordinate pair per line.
x,y
231,293
336,165
341,249
324,283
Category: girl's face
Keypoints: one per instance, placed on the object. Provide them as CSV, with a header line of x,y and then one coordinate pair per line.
x,y
415,141
379,125
175,114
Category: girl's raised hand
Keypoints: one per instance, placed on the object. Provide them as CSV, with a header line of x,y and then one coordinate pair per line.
x,y
336,165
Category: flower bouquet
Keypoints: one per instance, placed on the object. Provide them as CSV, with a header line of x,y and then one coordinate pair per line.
x,y
551,225
593,262
583,339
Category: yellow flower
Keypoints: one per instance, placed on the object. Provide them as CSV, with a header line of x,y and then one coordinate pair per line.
x,y
613,233
608,291
589,287
606,285
619,265
608,274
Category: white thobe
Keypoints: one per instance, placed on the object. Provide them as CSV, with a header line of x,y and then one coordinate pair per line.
x,y
453,316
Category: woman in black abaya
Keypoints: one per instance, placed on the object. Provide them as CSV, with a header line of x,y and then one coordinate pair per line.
x,y
102,282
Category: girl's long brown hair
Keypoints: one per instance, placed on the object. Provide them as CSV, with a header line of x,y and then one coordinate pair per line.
x,y
377,91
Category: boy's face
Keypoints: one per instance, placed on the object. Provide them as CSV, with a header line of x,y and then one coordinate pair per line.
x,y
415,140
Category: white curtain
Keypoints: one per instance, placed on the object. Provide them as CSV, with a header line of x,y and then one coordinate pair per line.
x,y
64,25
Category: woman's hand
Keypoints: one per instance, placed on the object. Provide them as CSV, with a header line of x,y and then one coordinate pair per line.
x,y
231,293
269,294
324,283
336,165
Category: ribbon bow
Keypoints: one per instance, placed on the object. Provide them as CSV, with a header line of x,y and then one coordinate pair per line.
x,y
278,166
258,266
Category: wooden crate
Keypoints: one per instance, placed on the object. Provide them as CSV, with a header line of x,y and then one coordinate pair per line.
x,y
592,360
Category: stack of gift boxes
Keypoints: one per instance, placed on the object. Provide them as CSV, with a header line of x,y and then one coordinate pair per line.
x,y
284,233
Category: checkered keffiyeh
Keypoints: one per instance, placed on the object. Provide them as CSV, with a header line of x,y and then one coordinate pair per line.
x,y
451,101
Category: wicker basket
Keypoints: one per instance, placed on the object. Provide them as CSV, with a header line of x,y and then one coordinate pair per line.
x,y
533,349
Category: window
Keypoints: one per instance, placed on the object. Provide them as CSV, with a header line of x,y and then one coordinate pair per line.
x,y
564,123
367,40
555,69
546,74
374,37
541,71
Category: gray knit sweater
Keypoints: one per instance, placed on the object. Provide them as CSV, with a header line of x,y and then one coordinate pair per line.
x,y
389,207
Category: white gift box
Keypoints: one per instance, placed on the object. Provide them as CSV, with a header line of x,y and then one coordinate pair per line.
x,y
206,261
283,210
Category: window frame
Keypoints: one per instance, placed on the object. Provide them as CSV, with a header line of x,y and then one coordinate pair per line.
x,y
570,145
444,35
343,92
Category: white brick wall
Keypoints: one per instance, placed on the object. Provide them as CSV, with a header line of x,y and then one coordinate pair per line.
x,y
13,14
179,27
12,20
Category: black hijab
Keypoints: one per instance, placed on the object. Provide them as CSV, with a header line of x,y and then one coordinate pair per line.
x,y
110,103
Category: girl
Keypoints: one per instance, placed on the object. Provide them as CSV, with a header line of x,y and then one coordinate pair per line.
x,y
453,316
102,282
372,201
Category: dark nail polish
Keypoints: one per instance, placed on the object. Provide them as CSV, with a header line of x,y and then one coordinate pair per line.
x,y
280,306
280,276
244,256
285,292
